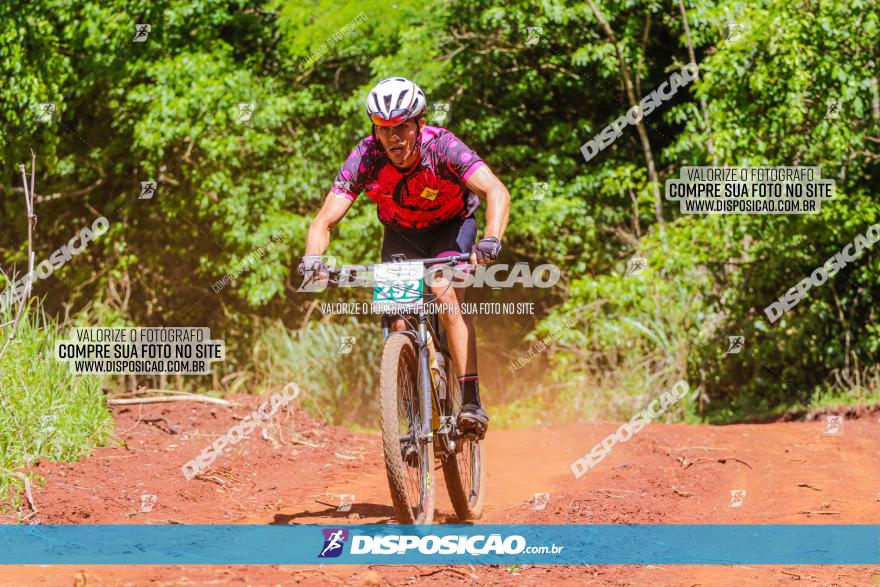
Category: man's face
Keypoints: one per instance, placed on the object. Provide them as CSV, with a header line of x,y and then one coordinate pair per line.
x,y
400,141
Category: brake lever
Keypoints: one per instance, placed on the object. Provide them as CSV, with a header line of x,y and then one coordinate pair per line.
x,y
307,281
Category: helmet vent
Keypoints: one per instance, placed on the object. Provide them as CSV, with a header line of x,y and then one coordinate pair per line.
x,y
400,98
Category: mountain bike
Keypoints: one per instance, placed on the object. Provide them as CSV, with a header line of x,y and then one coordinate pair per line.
x,y
419,397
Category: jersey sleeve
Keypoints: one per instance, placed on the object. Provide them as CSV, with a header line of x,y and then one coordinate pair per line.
x,y
350,181
461,159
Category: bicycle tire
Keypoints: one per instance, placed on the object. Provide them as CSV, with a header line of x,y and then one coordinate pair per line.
x,y
465,477
399,381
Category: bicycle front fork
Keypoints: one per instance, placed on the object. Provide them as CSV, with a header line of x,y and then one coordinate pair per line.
x,y
425,384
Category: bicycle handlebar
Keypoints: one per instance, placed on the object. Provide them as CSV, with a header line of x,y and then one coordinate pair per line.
x,y
433,260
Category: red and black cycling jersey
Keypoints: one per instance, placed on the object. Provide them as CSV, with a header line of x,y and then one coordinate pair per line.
x,y
431,192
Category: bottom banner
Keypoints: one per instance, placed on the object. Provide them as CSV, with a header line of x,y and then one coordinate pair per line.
x,y
719,544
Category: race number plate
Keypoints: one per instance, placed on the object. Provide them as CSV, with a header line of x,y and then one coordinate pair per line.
x,y
398,286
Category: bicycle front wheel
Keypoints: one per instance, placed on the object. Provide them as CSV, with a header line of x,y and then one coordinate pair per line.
x,y
408,462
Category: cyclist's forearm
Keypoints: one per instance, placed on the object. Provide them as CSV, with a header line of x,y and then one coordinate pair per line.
x,y
318,237
497,212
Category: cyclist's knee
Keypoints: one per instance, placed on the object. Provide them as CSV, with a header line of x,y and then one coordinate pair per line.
x,y
447,295
399,324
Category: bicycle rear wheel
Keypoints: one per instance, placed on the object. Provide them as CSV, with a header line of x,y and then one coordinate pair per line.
x,y
407,461
464,470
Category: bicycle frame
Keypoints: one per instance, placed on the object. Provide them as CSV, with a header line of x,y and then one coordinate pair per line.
x,y
424,324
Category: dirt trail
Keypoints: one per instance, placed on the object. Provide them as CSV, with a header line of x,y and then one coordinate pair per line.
x,y
294,474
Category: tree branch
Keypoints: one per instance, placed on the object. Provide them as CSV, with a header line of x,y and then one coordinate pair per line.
x,y
710,146
63,195
29,280
644,46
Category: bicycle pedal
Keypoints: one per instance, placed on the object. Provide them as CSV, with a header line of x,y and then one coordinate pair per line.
x,y
474,433
472,428
461,435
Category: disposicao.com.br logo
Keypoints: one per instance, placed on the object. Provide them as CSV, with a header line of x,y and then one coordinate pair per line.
x,y
454,544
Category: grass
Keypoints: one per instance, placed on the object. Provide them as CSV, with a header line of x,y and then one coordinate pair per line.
x,y
829,398
46,413
540,408
618,395
336,365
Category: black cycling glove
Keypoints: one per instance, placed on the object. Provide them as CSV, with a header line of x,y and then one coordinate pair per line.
x,y
312,263
487,249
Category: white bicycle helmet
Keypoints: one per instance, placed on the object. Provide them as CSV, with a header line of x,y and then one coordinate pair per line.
x,y
394,100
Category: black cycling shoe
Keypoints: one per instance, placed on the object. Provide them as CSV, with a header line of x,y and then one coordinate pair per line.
x,y
472,419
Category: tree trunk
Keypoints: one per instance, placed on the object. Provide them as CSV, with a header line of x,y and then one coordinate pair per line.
x,y
640,125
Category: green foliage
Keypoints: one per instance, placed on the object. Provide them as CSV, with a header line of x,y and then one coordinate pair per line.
x,y
168,110
45,412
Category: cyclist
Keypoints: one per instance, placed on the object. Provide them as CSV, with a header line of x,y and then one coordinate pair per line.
x,y
427,185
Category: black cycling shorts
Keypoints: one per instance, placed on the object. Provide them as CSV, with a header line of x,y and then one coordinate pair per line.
x,y
449,238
